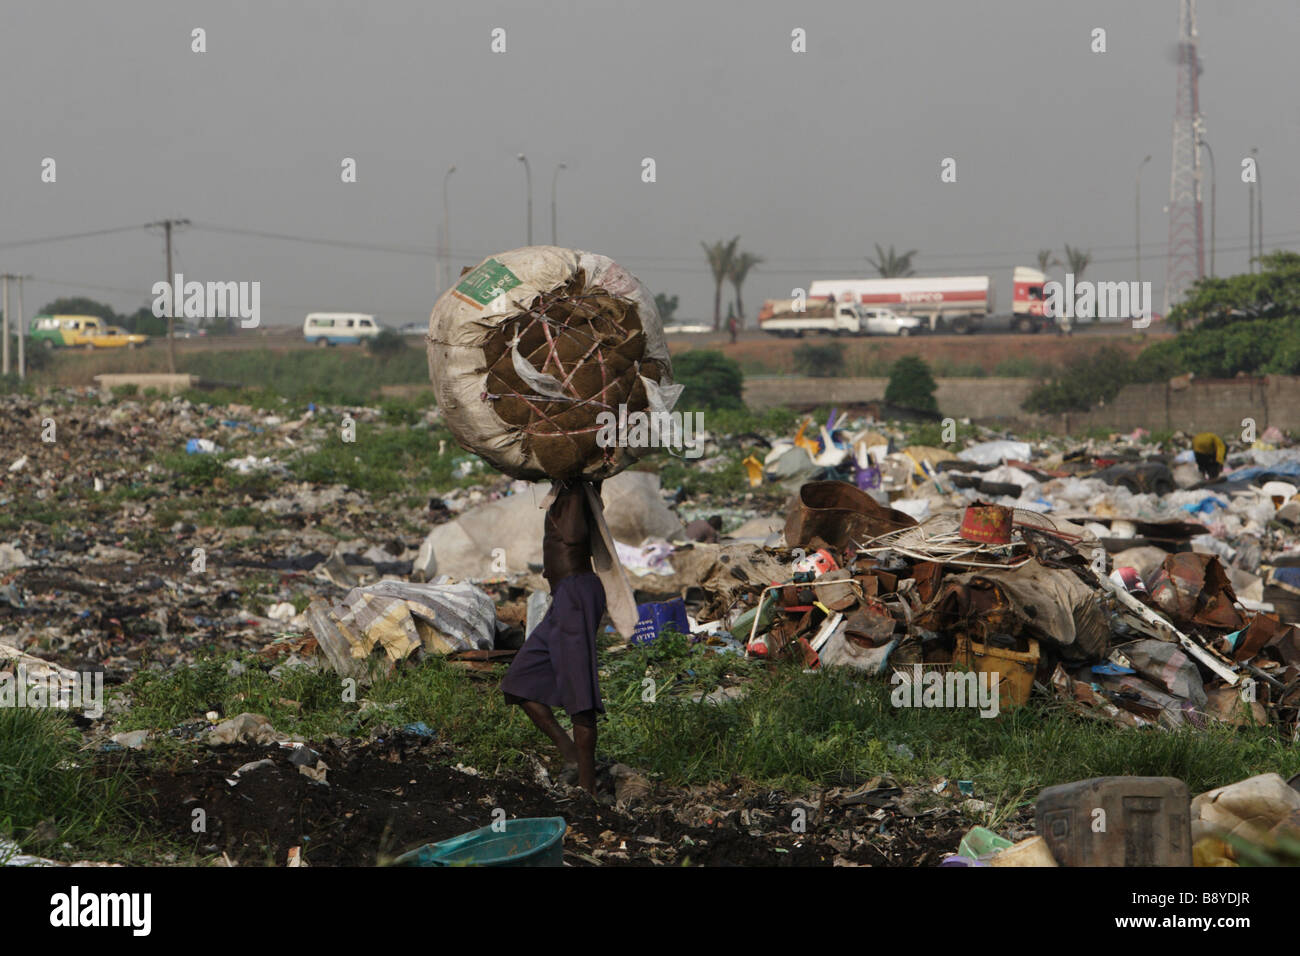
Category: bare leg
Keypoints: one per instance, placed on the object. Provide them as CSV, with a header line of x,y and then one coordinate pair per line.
x,y
545,721
584,738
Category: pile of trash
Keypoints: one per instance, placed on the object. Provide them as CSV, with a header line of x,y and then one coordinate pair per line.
x,y
1105,574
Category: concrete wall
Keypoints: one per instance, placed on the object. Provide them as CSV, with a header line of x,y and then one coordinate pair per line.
x,y
1217,405
1213,405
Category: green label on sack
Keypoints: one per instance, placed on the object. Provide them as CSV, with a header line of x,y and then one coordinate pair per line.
x,y
485,283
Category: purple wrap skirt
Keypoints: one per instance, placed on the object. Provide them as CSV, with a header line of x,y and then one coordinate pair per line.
x,y
557,664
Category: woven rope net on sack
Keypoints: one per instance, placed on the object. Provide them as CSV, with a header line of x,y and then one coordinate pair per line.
x,y
530,346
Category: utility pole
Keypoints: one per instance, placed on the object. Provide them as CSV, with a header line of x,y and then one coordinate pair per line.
x,y
528,173
167,225
554,180
1137,211
1250,213
1259,208
22,333
444,261
1213,188
4,369
10,326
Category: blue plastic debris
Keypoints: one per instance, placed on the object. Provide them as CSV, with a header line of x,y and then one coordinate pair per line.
x,y
1112,670
653,618
536,841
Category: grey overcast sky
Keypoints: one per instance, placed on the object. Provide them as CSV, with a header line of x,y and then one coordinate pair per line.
x,y
811,158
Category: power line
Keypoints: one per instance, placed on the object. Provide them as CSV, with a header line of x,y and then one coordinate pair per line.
x,y
314,240
14,244
429,251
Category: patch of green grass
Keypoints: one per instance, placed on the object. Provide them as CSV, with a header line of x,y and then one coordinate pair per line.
x,y
868,365
243,515
791,729
1022,367
48,512
11,384
263,399
325,376
406,411
314,703
944,368
795,728
135,491
199,472
193,471
931,434
385,459
768,421
685,473
45,777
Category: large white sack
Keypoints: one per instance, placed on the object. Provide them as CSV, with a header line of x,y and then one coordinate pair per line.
x,y
466,547
530,346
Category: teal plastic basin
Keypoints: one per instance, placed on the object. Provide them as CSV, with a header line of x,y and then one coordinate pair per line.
x,y
531,841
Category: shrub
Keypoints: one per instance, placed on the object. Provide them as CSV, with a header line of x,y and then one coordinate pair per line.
x,y
1084,382
712,381
819,360
911,384
387,342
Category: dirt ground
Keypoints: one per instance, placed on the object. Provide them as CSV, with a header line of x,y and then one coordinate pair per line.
x,y
389,795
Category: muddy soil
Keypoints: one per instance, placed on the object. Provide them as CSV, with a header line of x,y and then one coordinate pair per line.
x,y
393,794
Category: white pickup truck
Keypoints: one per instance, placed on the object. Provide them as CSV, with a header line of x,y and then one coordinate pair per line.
x,y
881,321
779,317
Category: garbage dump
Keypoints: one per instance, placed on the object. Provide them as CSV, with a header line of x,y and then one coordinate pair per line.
x,y
986,569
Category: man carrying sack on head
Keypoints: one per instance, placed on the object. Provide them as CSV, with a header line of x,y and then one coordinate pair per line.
x,y
556,667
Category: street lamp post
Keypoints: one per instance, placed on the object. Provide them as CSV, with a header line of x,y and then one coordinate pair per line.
x,y
445,263
1137,206
1213,189
555,179
1259,210
528,175
1250,212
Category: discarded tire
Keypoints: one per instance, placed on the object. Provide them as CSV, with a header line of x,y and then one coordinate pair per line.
x,y
530,346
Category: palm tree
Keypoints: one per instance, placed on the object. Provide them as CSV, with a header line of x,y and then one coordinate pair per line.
x,y
741,263
891,265
1046,259
1077,260
719,255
